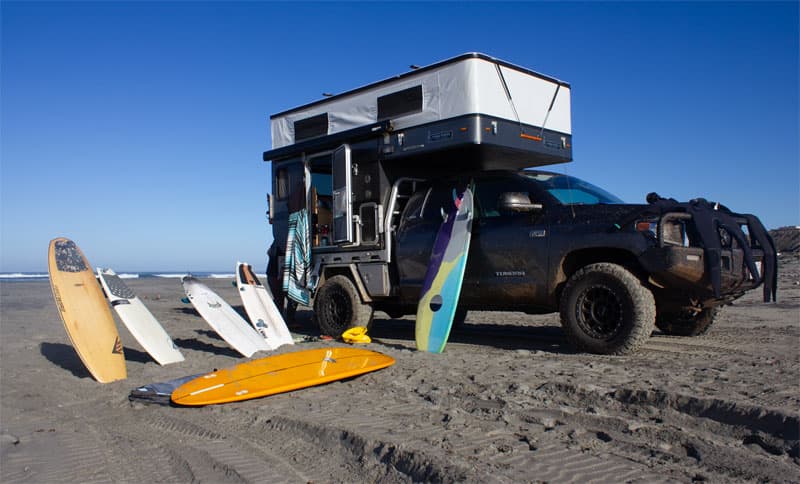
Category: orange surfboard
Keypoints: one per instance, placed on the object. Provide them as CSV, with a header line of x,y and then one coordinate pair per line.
x,y
279,374
85,312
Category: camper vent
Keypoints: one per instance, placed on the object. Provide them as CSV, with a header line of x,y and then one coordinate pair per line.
x,y
400,103
311,127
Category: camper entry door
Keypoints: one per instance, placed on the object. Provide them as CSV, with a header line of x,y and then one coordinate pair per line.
x,y
342,203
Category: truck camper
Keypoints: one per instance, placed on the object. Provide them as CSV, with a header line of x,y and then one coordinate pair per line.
x,y
353,160
359,180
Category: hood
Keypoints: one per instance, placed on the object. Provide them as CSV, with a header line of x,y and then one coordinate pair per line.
x,y
596,214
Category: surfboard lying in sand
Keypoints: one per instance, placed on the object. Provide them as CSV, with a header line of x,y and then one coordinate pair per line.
x,y
260,307
223,318
279,374
138,319
84,311
441,287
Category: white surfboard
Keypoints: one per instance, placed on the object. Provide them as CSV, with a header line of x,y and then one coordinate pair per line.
x,y
260,307
223,318
138,319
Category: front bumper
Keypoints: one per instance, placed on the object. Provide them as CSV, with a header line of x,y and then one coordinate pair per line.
x,y
685,268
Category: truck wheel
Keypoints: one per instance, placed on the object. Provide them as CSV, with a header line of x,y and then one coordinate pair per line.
x,y
605,309
338,307
686,323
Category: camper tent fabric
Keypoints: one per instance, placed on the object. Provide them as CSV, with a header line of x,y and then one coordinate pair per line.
x,y
467,85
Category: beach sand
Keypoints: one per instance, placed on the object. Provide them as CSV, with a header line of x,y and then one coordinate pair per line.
x,y
508,401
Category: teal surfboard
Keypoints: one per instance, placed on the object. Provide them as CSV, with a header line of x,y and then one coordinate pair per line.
x,y
442,285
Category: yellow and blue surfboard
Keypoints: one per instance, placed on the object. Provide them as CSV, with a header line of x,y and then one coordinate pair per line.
x,y
442,285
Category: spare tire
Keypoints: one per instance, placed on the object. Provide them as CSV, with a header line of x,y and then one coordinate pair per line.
x,y
606,309
685,323
338,307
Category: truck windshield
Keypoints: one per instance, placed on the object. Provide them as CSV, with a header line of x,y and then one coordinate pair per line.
x,y
572,191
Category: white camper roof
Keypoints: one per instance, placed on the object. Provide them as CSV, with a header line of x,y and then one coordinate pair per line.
x,y
471,83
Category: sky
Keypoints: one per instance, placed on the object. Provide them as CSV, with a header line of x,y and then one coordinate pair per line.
x,y
137,129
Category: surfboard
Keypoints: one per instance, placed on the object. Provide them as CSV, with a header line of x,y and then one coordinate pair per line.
x,y
260,307
85,312
223,318
441,287
279,374
138,319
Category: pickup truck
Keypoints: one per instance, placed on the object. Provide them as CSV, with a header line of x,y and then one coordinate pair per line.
x,y
544,242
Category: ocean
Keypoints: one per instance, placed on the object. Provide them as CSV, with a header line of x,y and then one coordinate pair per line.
x,y
43,276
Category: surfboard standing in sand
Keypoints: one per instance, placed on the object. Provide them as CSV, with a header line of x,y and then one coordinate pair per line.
x,y
138,319
260,307
84,311
442,284
222,318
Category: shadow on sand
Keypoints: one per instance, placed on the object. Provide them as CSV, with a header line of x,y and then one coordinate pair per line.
x,y
138,356
65,357
533,338
193,344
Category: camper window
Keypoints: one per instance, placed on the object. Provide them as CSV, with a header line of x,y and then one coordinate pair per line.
x,y
286,177
311,127
400,103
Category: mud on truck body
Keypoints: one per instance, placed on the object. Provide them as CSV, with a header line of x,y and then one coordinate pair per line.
x,y
359,181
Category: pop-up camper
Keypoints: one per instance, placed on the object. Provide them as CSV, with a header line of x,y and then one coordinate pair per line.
x,y
502,115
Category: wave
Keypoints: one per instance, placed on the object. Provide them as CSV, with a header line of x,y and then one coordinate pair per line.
x,y
22,275
178,275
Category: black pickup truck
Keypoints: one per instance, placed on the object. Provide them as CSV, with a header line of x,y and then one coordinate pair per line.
x,y
544,242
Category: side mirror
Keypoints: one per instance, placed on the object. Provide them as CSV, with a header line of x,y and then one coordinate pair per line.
x,y
517,202
270,208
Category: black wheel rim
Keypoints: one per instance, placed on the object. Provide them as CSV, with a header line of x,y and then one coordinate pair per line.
x,y
599,312
339,309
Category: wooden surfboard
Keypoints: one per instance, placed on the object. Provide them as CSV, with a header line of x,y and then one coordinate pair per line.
x,y
441,287
223,318
138,319
279,374
85,312
260,307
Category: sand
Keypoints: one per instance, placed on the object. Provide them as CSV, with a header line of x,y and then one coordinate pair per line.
x,y
508,401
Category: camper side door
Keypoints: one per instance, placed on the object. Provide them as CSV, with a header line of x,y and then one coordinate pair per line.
x,y
288,187
342,197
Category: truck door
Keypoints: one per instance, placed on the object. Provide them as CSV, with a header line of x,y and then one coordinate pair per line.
x,y
507,262
342,198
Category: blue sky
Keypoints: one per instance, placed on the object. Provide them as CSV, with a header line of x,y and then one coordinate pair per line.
x,y
137,129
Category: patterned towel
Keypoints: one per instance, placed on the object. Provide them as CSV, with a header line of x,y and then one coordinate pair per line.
x,y
297,281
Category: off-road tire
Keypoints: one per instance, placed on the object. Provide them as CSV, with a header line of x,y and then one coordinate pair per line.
x,y
685,323
606,309
338,307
